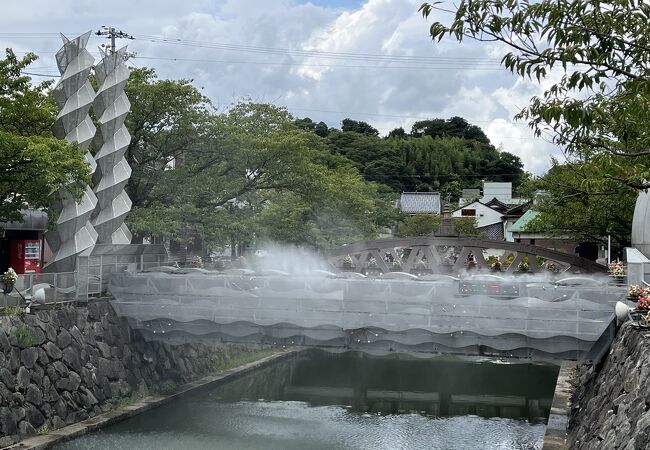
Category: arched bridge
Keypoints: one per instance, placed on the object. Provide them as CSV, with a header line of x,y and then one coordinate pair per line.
x,y
451,254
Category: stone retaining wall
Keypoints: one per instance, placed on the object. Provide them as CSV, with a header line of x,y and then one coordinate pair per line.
x,y
62,366
611,403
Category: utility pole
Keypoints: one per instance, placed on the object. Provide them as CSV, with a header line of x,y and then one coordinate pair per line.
x,y
112,33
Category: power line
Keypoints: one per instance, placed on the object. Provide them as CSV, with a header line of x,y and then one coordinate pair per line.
x,y
430,66
300,64
17,35
318,53
47,75
112,33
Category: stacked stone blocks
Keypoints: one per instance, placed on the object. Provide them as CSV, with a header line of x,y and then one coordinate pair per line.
x,y
59,367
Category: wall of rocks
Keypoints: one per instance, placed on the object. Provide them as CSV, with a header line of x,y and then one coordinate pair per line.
x,y
61,366
611,403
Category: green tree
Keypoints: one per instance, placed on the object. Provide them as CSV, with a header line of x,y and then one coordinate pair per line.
x,y
357,126
418,225
376,159
467,226
427,224
397,133
321,129
454,127
305,123
34,163
168,119
570,209
599,110
260,176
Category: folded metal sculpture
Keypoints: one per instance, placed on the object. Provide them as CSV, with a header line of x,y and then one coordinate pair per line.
x,y
111,107
74,95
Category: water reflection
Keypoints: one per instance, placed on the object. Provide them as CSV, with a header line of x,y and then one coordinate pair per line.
x,y
401,384
319,400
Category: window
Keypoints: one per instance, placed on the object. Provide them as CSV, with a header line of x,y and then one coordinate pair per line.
x,y
532,242
468,212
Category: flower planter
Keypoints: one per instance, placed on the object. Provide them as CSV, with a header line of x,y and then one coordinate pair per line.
x,y
7,287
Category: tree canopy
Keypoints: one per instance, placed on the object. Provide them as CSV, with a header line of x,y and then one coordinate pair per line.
x,y
567,210
427,224
167,119
598,111
454,127
438,155
33,162
254,172
257,175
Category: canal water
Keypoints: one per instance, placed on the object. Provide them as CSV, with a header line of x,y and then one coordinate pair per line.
x,y
320,400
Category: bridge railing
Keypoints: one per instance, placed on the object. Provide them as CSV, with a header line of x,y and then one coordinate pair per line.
x,y
436,253
43,288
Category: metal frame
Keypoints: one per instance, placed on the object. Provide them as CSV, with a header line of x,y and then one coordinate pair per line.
x,y
111,106
74,95
425,248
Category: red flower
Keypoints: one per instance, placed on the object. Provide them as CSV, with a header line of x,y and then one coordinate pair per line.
x,y
643,303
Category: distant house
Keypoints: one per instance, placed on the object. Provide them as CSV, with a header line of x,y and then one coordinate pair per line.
x,y
523,233
495,211
488,219
510,217
497,190
420,203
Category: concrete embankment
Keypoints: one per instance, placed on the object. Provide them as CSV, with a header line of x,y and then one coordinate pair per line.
x,y
60,367
610,407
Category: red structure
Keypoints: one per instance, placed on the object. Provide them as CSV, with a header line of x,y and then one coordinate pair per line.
x,y
21,243
25,255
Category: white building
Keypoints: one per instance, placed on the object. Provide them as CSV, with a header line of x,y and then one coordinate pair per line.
x,y
488,219
495,211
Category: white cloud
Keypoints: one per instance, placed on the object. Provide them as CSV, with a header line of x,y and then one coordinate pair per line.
x,y
519,140
309,86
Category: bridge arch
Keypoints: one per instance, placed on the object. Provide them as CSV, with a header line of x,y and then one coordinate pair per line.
x,y
444,254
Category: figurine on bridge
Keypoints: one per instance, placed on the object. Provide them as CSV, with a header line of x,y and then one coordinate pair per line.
x,y
496,265
471,261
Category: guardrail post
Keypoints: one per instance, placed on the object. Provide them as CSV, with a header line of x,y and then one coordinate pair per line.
x,y
101,273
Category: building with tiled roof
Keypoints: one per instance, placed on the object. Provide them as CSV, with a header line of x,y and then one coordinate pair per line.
x,y
420,203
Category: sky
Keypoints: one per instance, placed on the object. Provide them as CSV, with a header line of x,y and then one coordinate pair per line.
x,y
369,60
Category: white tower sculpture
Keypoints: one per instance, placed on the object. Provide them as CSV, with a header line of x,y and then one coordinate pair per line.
x,y
74,95
111,107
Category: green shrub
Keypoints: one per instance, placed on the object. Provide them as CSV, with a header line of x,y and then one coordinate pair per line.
x,y
128,400
167,387
13,311
221,364
25,336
